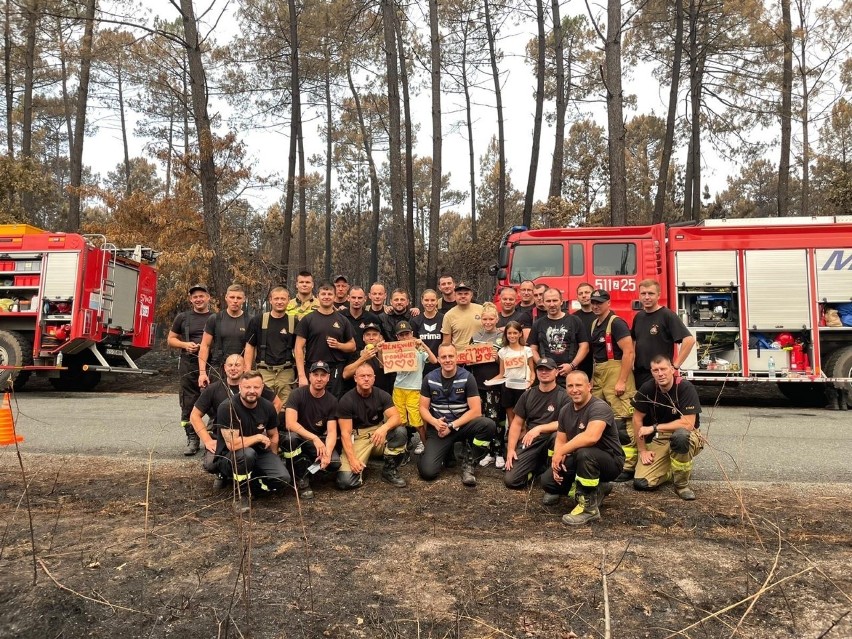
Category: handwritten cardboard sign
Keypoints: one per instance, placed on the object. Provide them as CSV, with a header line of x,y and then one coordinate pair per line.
x,y
515,361
399,356
477,354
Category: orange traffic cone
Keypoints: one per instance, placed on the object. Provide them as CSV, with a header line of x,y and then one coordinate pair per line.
x,y
7,424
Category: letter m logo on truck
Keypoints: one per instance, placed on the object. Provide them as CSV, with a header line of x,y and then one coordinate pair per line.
x,y
838,261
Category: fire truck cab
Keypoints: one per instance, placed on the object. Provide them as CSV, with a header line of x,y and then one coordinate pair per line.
x,y
754,292
72,306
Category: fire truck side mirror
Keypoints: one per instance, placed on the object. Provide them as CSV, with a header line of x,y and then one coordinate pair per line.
x,y
503,257
636,305
492,270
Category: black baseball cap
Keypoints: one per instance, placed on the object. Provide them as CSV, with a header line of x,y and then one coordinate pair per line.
x,y
547,362
371,326
461,286
337,278
320,366
403,327
600,295
198,287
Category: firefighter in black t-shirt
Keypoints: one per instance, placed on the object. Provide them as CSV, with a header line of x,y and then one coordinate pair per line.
x,y
666,421
612,351
370,425
186,334
216,393
323,335
587,454
533,430
309,436
247,442
224,334
269,344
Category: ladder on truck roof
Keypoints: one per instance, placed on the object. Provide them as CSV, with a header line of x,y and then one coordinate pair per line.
x,y
779,221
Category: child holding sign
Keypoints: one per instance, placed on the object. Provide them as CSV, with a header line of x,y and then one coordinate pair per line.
x,y
406,388
483,371
517,370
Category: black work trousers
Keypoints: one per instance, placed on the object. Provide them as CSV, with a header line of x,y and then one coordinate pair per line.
x,y
591,465
531,461
477,433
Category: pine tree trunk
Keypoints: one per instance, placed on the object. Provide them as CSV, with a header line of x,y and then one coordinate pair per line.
x,y
76,160
7,80
394,135
559,141
295,125
786,110
539,111
615,117
409,167
671,117
32,19
437,146
328,150
206,161
501,136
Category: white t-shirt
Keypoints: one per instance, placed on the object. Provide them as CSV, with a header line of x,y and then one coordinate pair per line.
x,y
515,366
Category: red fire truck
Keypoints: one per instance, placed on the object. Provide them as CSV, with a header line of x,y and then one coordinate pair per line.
x,y
72,306
743,287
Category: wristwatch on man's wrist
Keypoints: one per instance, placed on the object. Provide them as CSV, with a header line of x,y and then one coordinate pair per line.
x,y
451,425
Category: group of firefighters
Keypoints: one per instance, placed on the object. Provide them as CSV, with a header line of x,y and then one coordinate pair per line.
x,y
576,401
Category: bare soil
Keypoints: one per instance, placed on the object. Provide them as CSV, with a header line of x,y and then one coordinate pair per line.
x,y
128,548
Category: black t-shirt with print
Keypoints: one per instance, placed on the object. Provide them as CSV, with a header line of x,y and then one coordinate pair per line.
x,y
619,331
316,328
232,337
663,407
558,338
314,413
572,422
656,334
279,339
537,407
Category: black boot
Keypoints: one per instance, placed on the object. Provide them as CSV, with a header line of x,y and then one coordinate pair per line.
x,y
193,442
467,466
390,473
833,395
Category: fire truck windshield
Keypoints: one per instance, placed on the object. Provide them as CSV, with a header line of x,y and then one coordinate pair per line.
x,y
530,261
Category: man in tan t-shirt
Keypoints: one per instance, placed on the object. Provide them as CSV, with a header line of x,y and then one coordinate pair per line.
x,y
462,322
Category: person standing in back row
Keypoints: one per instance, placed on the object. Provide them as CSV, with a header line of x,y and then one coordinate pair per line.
x,y
186,334
559,336
656,329
447,286
324,335
461,322
584,298
224,334
269,344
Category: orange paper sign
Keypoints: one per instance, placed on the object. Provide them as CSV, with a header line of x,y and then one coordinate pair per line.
x,y
515,361
399,356
477,354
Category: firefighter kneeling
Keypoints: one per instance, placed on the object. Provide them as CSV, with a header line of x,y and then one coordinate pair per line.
x,y
587,450
666,422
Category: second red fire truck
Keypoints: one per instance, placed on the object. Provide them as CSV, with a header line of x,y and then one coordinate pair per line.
x,y
768,300
72,306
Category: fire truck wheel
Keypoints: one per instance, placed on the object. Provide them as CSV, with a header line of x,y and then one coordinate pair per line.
x,y
15,350
839,364
74,379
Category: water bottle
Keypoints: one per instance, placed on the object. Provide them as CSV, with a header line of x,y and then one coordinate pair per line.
x,y
770,366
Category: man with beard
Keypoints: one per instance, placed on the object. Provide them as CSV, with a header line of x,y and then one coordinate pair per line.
x,y
247,443
216,393
186,334
324,335
400,311
309,441
559,336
